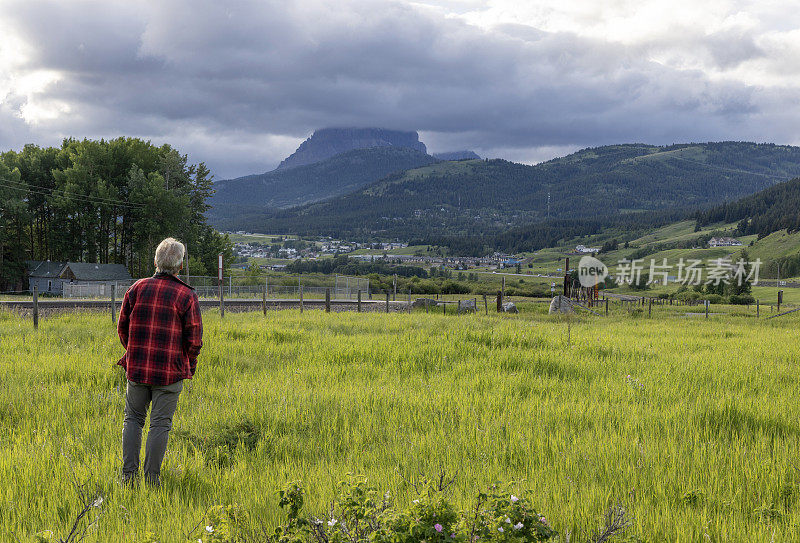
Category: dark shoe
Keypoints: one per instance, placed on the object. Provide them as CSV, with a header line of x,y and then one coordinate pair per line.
x,y
130,479
152,480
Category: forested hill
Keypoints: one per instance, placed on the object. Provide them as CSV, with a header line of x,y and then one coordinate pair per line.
x,y
331,177
775,208
490,196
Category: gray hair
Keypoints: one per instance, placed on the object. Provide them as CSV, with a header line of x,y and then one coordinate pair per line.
x,y
169,256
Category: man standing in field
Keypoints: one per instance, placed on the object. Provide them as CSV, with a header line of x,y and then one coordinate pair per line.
x,y
162,332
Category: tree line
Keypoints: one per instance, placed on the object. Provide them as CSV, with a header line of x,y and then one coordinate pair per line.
x,y
762,213
103,201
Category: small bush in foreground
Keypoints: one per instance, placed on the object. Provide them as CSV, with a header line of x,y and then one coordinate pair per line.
x,y
361,513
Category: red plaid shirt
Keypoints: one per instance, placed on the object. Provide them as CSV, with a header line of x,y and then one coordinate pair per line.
x,y
161,329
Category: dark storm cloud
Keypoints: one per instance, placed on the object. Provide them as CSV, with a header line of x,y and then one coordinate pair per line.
x,y
237,84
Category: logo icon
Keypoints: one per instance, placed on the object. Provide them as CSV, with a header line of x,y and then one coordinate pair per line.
x,y
591,271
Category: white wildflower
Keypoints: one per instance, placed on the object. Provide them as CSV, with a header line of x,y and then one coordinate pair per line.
x,y
98,502
519,526
500,529
209,529
514,499
508,520
332,522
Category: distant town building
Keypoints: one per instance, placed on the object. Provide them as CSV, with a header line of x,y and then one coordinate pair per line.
x,y
584,249
724,242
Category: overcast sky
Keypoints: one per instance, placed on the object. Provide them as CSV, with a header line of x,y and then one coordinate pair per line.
x,y
239,84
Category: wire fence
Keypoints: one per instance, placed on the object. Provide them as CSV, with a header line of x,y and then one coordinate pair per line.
x,y
341,287
95,289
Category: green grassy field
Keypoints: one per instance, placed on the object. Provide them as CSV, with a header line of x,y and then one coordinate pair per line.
x,y
691,424
260,238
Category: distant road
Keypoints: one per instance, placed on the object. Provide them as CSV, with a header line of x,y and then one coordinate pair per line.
x,y
784,284
518,274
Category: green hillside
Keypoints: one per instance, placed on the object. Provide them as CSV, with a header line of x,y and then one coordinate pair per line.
x,y
334,176
778,244
480,197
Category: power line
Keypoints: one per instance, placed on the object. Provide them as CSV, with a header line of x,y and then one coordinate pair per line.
x,y
64,194
77,197
99,199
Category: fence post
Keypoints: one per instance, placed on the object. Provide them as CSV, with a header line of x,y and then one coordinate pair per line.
x,y
444,307
230,285
427,301
458,310
113,305
499,301
706,308
758,309
301,298
221,299
395,288
486,304
359,300
327,300
650,308
606,299
409,300
387,302
35,307
503,291
264,300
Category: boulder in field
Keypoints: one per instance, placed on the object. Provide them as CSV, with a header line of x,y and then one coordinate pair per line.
x,y
561,304
510,307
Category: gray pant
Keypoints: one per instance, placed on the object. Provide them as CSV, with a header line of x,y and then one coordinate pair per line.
x,y
164,400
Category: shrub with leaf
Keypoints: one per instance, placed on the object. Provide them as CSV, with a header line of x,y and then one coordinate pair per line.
x,y
361,513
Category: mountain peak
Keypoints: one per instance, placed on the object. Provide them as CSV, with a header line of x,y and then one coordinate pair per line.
x,y
327,142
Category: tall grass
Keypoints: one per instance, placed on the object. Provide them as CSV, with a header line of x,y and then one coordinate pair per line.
x,y
691,424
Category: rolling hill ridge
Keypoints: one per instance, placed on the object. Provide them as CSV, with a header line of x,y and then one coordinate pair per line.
x,y
479,197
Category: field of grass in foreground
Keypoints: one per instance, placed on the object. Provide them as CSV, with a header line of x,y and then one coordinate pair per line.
x,y
691,424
